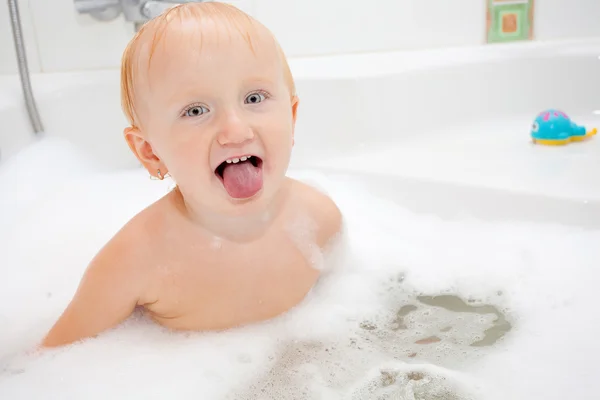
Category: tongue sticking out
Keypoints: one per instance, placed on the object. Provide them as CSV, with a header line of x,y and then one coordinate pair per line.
x,y
242,180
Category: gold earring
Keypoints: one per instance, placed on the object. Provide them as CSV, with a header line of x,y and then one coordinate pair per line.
x,y
159,178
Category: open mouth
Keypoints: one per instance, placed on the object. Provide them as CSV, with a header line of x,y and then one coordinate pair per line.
x,y
241,176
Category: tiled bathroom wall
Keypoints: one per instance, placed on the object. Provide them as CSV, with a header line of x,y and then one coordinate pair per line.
x,y
8,62
58,39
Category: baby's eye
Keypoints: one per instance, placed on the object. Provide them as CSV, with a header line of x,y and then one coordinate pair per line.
x,y
254,98
195,111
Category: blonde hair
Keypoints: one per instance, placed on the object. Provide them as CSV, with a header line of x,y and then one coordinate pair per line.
x,y
200,12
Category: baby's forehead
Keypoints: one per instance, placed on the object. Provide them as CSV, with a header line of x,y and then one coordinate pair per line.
x,y
175,46
202,39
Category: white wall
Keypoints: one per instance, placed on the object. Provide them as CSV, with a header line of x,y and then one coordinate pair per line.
x,y
58,39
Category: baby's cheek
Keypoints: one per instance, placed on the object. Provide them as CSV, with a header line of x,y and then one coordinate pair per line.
x,y
188,145
183,158
282,149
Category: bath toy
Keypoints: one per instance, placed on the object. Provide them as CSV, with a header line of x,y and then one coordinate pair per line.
x,y
554,128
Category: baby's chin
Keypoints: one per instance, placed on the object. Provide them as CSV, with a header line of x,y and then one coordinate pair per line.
x,y
261,201
214,199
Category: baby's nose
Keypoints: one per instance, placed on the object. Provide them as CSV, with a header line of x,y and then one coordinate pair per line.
x,y
234,131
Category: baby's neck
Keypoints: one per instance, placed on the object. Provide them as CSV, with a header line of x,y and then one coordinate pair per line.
x,y
240,228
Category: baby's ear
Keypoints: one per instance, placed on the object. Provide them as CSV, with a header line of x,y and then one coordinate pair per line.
x,y
143,151
295,101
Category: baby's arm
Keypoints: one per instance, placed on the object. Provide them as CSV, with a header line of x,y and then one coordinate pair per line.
x,y
107,294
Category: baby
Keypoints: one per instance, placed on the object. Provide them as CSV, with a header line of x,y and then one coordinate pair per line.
x,y
211,102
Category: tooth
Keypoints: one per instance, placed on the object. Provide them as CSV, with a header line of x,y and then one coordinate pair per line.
x,y
251,156
243,158
228,161
235,160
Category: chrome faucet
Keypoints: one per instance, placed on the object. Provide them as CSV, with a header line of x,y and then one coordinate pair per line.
x,y
136,11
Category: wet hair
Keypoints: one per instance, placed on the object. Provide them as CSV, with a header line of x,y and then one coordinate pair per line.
x,y
203,14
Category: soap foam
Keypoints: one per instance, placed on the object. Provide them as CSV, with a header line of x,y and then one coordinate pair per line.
x,y
370,328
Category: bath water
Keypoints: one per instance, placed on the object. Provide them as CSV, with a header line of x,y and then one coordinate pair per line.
x,y
410,306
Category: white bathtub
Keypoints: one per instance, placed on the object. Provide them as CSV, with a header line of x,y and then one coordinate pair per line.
x,y
457,116
442,134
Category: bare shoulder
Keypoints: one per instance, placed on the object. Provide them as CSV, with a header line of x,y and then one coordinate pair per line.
x,y
129,253
113,284
136,241
322,210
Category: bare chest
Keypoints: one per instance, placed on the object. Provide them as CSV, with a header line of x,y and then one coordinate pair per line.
x,y
218,284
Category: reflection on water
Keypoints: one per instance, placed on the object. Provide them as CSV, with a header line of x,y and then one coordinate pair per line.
x,y
455,304
445,329
424,338
398,383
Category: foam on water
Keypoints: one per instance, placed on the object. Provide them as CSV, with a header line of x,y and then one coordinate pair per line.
x,y
44,166
514,316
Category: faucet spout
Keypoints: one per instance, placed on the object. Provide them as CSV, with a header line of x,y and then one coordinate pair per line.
x,y
153,8
136,11
101,10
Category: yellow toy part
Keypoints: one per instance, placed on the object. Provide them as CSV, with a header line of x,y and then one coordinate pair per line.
x,y
562,142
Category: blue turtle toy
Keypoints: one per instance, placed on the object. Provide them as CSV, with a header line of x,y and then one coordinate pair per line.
x,y
554,128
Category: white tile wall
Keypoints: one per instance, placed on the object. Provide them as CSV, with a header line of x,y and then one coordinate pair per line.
x,y
556,20
69,41
311,27
58,39
8,57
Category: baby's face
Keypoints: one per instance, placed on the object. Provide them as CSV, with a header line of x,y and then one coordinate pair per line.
x,y
218,115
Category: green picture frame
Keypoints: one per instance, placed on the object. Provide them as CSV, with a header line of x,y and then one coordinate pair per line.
x,y
509,20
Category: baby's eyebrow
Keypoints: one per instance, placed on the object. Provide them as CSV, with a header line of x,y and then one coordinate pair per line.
x,y
190,94
183,99
259,79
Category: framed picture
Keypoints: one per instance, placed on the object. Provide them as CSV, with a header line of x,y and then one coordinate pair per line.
x,y
509,20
